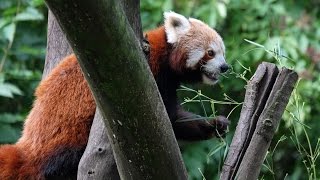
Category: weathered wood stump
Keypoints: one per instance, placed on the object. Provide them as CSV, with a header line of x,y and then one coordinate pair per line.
x,y
267,95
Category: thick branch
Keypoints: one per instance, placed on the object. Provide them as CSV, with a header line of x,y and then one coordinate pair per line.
x,y
124,89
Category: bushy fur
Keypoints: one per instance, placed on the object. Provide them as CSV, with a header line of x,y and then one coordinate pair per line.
x,y
56,130
59,123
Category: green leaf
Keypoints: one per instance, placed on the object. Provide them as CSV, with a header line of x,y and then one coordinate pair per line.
x,y
30,14
9,31
3,22
14,89
37,3
278,9
254,43
217,148
222,9
8,90
5,92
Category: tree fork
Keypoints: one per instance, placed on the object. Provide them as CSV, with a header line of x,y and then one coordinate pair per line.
x,y
123,86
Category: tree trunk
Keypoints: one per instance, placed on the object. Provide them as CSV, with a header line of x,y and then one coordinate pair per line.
x,y
267,95
109,54
98,161
57,45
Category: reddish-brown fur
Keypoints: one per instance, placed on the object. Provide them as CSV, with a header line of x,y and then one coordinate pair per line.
x,y
178,59
10,161
158,48
61,117
64,108
159,51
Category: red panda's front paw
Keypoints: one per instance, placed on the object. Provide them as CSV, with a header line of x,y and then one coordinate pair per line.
x,y
145,45
220,124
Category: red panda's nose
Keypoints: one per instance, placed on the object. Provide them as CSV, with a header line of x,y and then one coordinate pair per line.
x,y
224,68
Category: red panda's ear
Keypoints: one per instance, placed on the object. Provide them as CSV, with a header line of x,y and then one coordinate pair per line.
x,y
175,26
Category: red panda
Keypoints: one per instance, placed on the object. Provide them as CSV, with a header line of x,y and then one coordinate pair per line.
x,y
56,131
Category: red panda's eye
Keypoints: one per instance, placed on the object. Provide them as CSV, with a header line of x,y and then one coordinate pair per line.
x,y
211,53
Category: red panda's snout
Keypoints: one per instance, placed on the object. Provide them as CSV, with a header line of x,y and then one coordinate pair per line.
x,y
224,68
213,68
200,48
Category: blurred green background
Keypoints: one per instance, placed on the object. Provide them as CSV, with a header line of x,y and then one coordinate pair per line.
x,y
284,32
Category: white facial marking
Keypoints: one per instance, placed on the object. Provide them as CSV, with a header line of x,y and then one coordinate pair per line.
x,y
194,57
196,20
213,65
208,81
175,25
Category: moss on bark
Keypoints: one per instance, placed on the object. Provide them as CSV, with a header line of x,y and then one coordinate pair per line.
x,y
112,61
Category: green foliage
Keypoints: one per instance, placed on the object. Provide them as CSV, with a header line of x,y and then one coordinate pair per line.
x,y
283,32
22,40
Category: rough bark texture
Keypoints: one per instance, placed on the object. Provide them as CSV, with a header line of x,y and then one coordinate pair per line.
x,y
112,61
267,125
132,10
260,116
57,45
95,164
97,161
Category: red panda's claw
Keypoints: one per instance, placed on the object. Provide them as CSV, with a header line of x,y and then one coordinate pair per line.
x,y
221,124
145,47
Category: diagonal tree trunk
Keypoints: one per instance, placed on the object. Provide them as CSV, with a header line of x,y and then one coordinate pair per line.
x,y
124,89
98,161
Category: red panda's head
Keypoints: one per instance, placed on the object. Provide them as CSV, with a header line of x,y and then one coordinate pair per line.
x,y
196,47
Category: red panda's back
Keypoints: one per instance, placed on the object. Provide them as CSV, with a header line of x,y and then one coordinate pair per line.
x,y
57,126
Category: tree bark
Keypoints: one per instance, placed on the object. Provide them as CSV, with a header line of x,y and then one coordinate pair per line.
x,y
132,10
267,125
110,56
267,95
57,45
100,164
97,161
